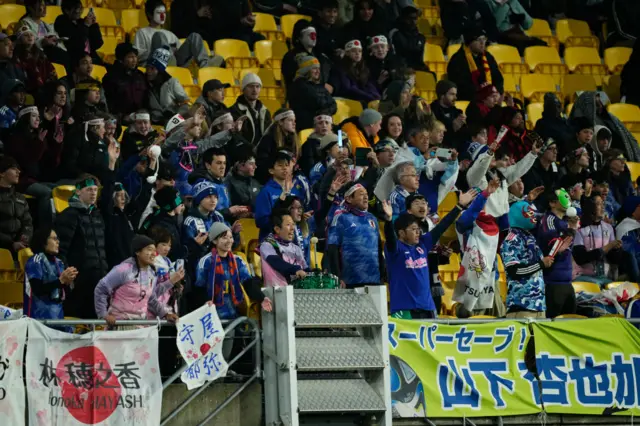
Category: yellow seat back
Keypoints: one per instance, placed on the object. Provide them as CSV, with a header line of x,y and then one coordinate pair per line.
x,y
508,59
434,58
61,195
288,21
616,57
303,135
572,83
585,286
11,14
249,233
61,71
534,113
572,32
98,72
52,13
425,85
629,114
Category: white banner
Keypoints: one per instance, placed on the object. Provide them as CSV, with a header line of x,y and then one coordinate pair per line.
x,y
6,313
199,340
110,378
12,338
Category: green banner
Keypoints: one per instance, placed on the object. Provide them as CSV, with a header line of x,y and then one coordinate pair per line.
x,y
589,366
474,370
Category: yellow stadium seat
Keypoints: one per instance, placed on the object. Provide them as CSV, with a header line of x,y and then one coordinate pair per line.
x,y
502,279
303,135
111,31
434,58
373,104
510,85
452,49
449,272
98,72
585,60
572,32
104,16
431,13
52,13
346,108
424,27
508,59
611,86
445,206
616,57
462,105
542,30
572,83
61,71
225,75
271,104
425,85
108,49
534,86
629,114
568,109
447,302
266,25
236,54
270,54
586,287
634,169
288,21
544,60
133,19
6,261
182,74
23,256
534,113
12,294
11,14
61,195
249,233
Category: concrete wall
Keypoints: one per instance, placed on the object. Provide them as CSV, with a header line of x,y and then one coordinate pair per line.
x,y
244,410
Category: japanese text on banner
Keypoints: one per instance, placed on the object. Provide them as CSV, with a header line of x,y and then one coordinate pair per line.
x,y
200,338
104,377
588,366
12,340
453,371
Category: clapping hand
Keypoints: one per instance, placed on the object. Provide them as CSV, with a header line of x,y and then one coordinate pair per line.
x,y
387,210
466,198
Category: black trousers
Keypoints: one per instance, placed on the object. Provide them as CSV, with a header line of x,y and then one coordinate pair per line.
x,y
561,299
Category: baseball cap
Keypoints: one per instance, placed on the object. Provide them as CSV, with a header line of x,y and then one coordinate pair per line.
x,y
214,84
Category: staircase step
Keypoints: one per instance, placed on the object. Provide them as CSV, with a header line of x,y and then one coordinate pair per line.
x,y
332,396
334,308
336,354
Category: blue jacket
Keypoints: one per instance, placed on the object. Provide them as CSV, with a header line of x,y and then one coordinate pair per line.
x,y
7,117
43,291
268,197
398,200
550,228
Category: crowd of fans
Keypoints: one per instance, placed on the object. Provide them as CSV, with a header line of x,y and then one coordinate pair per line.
x,y
153,225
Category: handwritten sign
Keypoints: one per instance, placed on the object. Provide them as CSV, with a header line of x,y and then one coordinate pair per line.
x,y
199,340
13,335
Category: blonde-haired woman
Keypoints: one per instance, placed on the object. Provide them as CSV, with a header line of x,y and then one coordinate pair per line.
x,y
280,136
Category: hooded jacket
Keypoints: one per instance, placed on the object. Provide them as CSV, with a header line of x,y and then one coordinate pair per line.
x,y
356,135
243,190
15,219
596,157
252,131
307,99
85,156
166,98
126,90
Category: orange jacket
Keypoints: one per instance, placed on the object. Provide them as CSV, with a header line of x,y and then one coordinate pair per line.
x,y
357,139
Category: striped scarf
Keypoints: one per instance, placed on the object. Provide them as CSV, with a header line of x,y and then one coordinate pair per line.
x,y
473,68
218,282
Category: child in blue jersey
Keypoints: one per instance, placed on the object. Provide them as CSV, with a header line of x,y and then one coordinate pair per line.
x,y
407,183
555,237
201,216
406,254
354,251
278,187
524,264
46,278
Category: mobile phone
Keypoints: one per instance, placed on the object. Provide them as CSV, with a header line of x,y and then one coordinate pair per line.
x,y
361,156
443,153
179,264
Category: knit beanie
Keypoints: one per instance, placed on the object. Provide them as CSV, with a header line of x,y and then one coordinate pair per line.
x,y
443,86
305,64
167,198
472,33
139,242
160,58
475,149
369,116
217,228
201,190
485,91
251,78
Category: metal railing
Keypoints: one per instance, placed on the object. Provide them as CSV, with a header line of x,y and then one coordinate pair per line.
x,y
254,344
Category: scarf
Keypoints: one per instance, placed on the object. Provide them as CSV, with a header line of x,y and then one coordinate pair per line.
x,y
348,207
473,68
216,278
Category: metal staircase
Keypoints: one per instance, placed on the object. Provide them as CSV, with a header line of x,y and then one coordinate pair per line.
x,y
326,357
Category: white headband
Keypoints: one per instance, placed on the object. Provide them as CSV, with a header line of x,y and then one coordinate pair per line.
x,y
353,44
284,115
308,30
320,118
143,116
379,39
353,189
94,122
28,110
222,119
